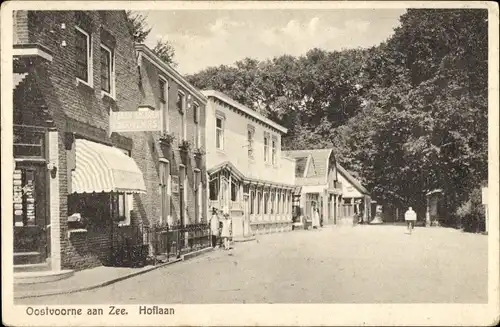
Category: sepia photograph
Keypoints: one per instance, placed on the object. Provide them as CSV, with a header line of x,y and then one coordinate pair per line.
x,y
157,157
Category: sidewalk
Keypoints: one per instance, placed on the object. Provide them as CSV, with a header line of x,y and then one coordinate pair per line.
x,y
89,279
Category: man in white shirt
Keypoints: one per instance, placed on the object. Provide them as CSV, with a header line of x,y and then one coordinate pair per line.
x,y
410,218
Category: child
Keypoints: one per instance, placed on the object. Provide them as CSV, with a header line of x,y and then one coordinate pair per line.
x,y
226,231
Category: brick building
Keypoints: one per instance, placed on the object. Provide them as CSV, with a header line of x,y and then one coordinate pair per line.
x,y
89,160
249,177
172,156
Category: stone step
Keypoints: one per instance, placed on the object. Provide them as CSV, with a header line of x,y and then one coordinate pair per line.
x,y
22,258
35,277
44,266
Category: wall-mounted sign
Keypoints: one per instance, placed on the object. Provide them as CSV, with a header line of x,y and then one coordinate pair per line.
x,y
135,121
175,184
18,198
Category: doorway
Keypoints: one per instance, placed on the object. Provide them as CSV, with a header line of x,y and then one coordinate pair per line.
x,y
31,216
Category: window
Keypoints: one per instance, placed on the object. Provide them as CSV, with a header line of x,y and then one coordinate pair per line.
x,y
29,143
259,201
273,153
183,189
107,70
266,148
83,54
165,192
252,202
197,196
273,202
234,190
278,203
196,117
214,188
250,143
180,101
289,203
266,202
163,97
219,133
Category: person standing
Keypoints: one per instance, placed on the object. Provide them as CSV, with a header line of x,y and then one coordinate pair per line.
x,y
410,218
226,231
214,227
315,217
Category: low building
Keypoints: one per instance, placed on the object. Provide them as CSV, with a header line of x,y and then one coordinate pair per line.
x,y
355,197
249,176
316,175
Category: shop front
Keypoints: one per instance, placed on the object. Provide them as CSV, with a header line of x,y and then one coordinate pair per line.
x,y
104,180
31,188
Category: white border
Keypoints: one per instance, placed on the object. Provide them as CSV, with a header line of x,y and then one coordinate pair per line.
x,y
276,314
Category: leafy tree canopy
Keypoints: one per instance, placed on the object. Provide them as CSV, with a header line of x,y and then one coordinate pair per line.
x,y
408,115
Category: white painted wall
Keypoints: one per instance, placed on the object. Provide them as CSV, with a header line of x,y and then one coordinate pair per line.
x,y
236,147
348,190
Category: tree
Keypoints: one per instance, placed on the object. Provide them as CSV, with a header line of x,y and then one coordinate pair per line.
x,y
426,126
137,26
140,30
165,51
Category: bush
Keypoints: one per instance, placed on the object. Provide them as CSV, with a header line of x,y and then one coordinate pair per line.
x,y
471,214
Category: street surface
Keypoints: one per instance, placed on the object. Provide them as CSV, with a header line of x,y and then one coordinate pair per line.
x,y
362,264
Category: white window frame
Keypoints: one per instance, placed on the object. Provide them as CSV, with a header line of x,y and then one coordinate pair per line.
x,y
164,105
222,129
251,141
184,181
197,132
167,188
183,114
112,84
266,147
197,190
89,59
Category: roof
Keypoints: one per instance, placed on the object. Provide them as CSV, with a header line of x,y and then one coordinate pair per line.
x,y
145,51
351,179
300,166
316,172
229,165
238,106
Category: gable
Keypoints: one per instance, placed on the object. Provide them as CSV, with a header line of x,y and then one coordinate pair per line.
x,y
348,188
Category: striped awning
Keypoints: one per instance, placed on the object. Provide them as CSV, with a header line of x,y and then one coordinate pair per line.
x,y
101,168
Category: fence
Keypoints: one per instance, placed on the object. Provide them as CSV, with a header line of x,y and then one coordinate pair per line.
x,y
140,245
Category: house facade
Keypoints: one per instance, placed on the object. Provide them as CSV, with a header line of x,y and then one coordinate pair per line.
x,y
248,175
104,141
71,68
355,197
170,154
316,175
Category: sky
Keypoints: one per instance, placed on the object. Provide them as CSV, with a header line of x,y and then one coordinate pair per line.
x,y
204,38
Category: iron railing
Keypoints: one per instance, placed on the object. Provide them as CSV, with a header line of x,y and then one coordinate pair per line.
x,y
140,245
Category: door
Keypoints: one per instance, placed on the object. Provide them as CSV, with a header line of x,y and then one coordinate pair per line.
x,y
31,214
